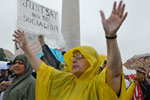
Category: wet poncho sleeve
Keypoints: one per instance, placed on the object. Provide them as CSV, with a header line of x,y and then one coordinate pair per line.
x,y
42,81
50,82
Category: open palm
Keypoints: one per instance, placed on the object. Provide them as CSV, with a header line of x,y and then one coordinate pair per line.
x,y
20,39
112,24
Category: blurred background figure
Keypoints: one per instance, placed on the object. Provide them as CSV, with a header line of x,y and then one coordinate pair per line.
x,y
52,57
142,89
6,77
43,58
102,66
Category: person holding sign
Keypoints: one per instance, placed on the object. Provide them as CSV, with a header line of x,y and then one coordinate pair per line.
x,y
50,57
82,82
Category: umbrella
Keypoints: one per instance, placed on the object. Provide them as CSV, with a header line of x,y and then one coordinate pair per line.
x,y
142,60
4,53
57,54
3,65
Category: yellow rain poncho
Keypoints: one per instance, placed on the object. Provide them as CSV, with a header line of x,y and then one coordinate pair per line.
x,y
52,84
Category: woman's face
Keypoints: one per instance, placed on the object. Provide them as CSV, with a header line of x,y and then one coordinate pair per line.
x,y
18,67
80,64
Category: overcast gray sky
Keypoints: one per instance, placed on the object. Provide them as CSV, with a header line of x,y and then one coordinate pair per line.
x,y
133,36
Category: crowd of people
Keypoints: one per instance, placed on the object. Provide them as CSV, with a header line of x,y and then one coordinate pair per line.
x,y
85,75
138,61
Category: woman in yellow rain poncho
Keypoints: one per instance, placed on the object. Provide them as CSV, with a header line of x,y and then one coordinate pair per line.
x,y
52,84
81,81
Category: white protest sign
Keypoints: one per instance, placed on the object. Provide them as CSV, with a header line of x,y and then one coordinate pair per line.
x,y
37,19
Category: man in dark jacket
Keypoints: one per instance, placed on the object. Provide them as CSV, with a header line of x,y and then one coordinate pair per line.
x,y
50,57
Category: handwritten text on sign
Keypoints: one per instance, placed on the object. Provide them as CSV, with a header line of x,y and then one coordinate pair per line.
x,y
36,18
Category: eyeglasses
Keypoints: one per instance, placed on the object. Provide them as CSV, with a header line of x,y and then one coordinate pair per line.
x,y
79,56
19,63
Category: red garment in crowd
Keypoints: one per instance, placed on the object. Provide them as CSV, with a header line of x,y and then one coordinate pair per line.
x,y
137,95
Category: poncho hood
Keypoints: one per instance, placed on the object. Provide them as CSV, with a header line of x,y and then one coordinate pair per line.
x,y
91,56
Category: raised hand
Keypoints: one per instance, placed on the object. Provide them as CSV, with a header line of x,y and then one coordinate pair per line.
x,y
4,85
20,39
41,40
112,24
